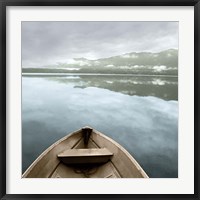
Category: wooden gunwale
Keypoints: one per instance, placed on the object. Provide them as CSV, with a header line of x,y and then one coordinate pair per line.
x,y
135,163
41,156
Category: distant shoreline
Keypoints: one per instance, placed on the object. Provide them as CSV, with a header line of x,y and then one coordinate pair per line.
x,y
97,74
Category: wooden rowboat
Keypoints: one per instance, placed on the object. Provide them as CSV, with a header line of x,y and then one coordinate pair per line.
x,y
85,153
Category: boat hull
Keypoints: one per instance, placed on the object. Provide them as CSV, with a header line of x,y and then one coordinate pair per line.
x,y
113,162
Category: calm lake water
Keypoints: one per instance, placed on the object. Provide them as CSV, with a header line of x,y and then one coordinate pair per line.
x,y
140,113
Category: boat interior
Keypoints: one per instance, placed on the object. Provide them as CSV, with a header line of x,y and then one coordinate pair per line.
x,y
85,153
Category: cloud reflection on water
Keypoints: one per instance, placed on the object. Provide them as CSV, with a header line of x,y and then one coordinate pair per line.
x,y
146,126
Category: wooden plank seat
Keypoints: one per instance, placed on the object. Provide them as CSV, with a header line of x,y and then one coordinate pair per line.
x,y
85,156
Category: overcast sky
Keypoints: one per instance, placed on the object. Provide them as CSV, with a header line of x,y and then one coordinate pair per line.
x,y
46,43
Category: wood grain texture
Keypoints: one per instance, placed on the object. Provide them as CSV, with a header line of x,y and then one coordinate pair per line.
x,y
85,156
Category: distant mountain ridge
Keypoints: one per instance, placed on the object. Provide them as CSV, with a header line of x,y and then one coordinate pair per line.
x,y
164,62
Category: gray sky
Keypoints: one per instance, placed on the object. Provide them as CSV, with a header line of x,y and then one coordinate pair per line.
x,y
46,43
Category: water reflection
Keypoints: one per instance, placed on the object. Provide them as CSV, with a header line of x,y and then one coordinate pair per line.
x,y
162,87
146,126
